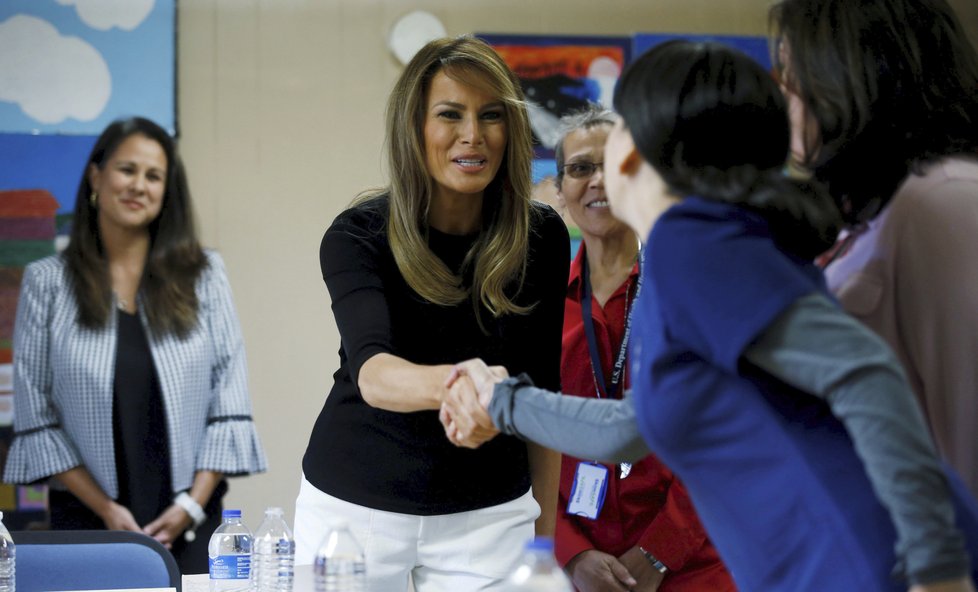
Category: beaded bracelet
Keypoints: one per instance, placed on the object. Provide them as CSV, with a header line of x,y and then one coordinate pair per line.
x,y
195,512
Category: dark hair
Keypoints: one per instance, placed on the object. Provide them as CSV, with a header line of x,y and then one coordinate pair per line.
x,y
893,84
175,258
713,123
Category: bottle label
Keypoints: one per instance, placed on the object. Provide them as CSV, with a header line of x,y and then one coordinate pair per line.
x,y
285,547
230,567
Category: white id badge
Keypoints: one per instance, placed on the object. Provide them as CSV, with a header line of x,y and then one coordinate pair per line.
x,y
590,487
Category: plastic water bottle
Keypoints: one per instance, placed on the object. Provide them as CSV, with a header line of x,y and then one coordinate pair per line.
x,y
340,564
537,570
273,560
229,554
8,553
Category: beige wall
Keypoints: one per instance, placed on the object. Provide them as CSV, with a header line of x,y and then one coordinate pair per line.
x,y
280,111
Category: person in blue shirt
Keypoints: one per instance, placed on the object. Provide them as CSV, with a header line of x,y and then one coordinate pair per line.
x,y
792,426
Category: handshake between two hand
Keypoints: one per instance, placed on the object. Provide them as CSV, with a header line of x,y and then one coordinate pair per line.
x,y
463,411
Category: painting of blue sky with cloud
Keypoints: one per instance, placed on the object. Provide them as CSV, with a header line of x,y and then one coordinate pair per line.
x,y
68,68
73,66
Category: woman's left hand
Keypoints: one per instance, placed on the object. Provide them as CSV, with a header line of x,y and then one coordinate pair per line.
x,y
169,525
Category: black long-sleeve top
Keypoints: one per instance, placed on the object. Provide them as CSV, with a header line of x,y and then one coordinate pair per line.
x,y
402,462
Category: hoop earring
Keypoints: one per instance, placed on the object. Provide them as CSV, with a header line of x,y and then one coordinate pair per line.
x,y
93,199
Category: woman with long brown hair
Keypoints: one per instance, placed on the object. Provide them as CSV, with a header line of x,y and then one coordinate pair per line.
x,y
449,261
129,370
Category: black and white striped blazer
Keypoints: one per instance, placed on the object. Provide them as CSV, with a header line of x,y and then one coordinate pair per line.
x,y
63,377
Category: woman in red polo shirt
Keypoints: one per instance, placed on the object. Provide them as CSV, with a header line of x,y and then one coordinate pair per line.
x,y
644,535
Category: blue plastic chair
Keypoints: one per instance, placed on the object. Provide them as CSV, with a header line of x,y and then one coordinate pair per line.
x,y
92,560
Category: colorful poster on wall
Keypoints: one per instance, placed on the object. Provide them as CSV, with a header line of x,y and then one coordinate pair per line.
x,y
67,69
73,66
560,74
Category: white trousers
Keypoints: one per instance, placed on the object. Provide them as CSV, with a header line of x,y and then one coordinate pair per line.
x,y
465,551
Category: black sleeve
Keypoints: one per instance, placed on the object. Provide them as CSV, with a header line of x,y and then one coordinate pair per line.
x,y
352,258
547,271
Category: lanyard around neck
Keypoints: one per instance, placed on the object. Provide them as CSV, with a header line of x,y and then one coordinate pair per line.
x,y
605,389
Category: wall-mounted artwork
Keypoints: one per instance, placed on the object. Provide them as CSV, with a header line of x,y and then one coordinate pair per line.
x,y
560,74
67,69
73,66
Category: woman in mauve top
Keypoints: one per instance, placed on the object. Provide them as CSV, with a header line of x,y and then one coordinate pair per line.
x,y
894,136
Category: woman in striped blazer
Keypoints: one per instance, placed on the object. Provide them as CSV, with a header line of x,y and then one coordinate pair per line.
x,y
130,386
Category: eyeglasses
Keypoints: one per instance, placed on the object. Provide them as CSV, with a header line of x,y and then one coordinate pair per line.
x,y
583,169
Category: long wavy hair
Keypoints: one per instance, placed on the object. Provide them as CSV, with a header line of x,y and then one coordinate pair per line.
x,y
175,259
498,257
714,124
892,84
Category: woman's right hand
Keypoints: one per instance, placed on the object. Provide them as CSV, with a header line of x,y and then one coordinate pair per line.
x,y
463,412
118,517
483,376
82,485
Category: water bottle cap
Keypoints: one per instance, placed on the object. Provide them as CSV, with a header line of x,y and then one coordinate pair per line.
x,y
230,514
540,544
274,511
